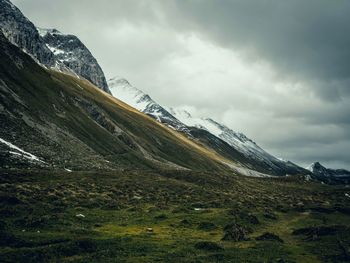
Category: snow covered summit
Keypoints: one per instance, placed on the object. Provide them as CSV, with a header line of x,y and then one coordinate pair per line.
x,y
71,52
219,137
124,91
237,140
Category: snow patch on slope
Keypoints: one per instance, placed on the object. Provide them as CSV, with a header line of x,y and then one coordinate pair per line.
x,y
56,51
201,123
18,151
127,93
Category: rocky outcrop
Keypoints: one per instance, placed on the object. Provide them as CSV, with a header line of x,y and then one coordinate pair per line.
x,y
235,232
21,32
70,51
50,48
228,143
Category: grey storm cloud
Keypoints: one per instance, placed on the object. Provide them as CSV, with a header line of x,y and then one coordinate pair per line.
x,y
279,70
303,39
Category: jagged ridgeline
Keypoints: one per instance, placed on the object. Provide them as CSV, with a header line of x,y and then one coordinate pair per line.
x,y
67,54
51,48
69,123
70,51
234,146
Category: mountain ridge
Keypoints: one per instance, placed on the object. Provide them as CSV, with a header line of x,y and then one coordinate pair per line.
x,y
69,123
69,50
328,175
123,90
232,145
19,30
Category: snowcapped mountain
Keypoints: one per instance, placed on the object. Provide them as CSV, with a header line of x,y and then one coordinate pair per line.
x,y
329,175
124,91
49,47
230,144
70,51
50,120
235,139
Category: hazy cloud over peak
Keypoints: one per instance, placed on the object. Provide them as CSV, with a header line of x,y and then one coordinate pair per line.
x,y
279,71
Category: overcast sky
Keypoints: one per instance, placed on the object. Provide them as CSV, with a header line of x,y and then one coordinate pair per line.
x,y
278,71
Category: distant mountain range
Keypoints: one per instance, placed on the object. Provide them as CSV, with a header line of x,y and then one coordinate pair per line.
x,y
52,119
233,145
327,175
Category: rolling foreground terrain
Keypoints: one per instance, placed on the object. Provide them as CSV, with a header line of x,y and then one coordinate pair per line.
x,y
84,177
170,216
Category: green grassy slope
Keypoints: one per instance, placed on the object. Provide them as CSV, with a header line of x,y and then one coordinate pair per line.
x,y
68,122
169,216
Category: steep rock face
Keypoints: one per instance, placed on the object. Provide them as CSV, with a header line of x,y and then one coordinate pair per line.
x,y
57,121
70,51
21,32
62,52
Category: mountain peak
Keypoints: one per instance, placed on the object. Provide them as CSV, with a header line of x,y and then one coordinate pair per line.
x,y
329,175
44,31
50,47
70,51
316,166
123,90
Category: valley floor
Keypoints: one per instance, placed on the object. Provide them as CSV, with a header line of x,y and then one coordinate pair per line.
x,y
170,216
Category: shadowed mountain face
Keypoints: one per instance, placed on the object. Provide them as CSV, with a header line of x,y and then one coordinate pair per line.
x,y
21,32
51,48
211,134
66,122
327,175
